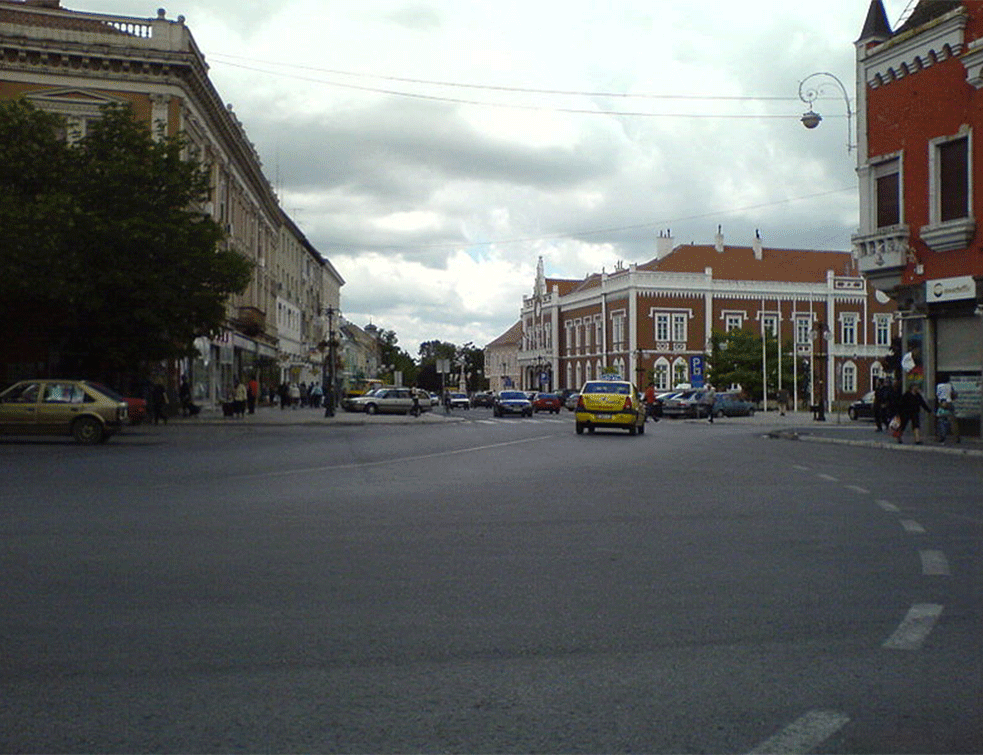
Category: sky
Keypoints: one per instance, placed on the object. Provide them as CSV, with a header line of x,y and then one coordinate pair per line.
x,y
434,150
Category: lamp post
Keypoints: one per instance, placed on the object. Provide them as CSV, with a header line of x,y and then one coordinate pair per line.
x,y
821,332
810,92
327,367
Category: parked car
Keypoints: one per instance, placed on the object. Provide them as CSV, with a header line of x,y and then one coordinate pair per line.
x,y
610,404
485,398
136,408
459,401
546,402
512,402
862,408
87,412
732,405
388,401
687,404
571,401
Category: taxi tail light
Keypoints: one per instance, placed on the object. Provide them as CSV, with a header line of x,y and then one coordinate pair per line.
x,y
580,404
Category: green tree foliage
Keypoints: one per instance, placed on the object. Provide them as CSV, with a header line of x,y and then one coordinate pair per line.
x,y
736,360
398,359
107,259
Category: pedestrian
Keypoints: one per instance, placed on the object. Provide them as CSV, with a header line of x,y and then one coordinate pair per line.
x,y
882,404
240,395
284,395
158,403
328,400
315,396
184,396
649,399
708,400
945,396
252,393
294,395
783,401
415,411
912,402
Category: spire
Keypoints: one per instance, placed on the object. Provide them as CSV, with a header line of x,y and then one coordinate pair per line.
x,y
876,28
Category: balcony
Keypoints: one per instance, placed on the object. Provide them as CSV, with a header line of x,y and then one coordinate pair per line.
x,y
251,321
882,256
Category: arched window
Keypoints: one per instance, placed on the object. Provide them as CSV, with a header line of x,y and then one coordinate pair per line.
x,y
661,370
580,375
570,377
680,372
876,373
849,384
587,373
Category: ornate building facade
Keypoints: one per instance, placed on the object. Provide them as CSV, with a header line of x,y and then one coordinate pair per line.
x,y
656,319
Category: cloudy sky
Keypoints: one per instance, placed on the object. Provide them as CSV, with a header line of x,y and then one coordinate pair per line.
x,y
433,150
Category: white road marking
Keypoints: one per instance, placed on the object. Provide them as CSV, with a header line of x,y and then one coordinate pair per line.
x,y
889,507
912,527
486,422
934,564
828,477
800,467
858,489
914,628
804,734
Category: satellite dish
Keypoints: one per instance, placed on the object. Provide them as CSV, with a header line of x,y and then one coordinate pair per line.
x,y
881,297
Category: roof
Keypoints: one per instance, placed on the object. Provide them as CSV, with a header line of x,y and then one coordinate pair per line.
x,y
925,11
52,16
739,263
511,337
876,26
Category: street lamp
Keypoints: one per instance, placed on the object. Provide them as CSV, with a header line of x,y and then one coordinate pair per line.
x,y
810,92
327,367
821,331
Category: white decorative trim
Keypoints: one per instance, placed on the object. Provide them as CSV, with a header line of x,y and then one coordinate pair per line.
x,y
972,60
933,43
950,236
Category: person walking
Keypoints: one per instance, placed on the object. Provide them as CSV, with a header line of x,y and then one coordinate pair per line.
x,y
284,395
912,402
708,400
239,397
945,409
294,395
158,403
649,398
882,405
252,393
415,411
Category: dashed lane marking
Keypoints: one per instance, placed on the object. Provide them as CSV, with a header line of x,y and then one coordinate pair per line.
x,y
804,734
858,489
934,564
914,628
889,507
912,527
828,477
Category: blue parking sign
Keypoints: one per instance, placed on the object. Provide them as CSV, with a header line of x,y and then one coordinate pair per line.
x,y
697,379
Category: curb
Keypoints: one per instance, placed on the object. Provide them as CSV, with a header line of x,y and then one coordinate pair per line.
x,y
906,447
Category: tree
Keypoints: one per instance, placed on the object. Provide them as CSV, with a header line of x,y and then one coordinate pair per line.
x,y
107,260
736,360
396,358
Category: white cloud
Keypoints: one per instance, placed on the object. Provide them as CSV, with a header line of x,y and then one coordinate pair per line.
x,y
423,204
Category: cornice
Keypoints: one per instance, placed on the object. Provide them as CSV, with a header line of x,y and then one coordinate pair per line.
x,y
923,47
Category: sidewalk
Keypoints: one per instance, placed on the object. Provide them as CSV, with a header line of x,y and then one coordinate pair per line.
x,y
273,416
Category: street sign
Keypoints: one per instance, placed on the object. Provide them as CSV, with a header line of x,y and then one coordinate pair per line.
x,y
697,368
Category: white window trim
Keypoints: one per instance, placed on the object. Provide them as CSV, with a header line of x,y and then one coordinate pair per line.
x,y
952,234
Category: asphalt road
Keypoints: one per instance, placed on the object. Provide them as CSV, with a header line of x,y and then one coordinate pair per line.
x,y
487,586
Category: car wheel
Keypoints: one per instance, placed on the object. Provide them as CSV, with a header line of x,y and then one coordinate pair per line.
x,y
580,429
750,412
87,431
719,413
852,413
633,430
370,409
641,429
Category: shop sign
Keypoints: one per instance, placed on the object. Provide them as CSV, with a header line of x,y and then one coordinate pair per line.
x,y
950,289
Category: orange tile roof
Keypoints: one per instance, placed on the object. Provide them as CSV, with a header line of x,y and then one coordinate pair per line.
x,y
738,263
510,337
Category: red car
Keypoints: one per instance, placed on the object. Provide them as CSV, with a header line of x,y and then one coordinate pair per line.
x,y
547,402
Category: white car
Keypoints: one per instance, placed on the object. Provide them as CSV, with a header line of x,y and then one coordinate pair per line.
x,y
460,401
388,401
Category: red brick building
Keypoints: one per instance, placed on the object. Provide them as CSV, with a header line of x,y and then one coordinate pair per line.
x,y
919,101
657,318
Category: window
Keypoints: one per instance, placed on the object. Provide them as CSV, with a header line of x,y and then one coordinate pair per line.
x,y
769,324
662,327
598,324
849,379
618,330
876,373
887,186
848,329
587,373
661,374
733,322
679,327
680,372
882,330
802,330
953,179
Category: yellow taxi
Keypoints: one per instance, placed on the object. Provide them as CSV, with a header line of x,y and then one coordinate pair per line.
x,y
610,403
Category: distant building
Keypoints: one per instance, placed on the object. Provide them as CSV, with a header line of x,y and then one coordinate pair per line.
x,y
919,101
502,359
656,319
72,63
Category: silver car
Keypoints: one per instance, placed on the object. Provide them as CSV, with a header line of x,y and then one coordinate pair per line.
x,y
389,401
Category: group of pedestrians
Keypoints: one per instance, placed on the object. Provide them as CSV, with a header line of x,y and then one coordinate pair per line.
x,y
895,411
298,395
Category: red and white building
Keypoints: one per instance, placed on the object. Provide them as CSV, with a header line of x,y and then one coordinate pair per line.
x,y
919,100
657,318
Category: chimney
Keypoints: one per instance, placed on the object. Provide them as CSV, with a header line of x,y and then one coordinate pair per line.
x,y
663,245
719,240
756,245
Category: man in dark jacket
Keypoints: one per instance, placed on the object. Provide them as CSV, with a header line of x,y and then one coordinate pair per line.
x,y
912,403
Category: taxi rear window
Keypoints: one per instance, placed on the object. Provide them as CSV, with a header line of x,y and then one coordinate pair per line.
x,y
602,387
